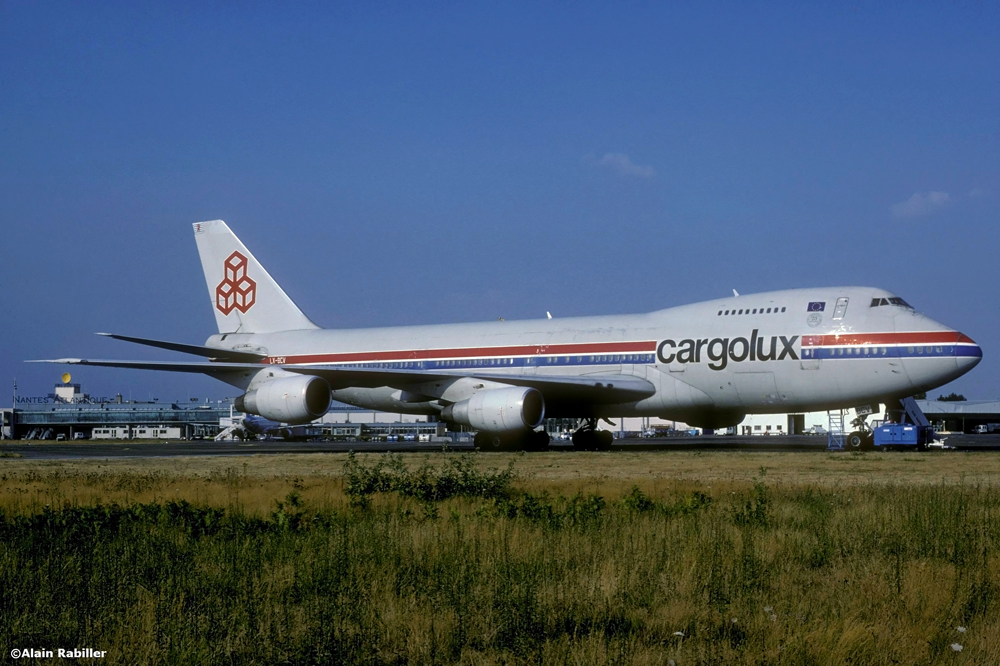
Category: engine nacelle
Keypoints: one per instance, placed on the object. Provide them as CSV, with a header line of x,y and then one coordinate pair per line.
x,y
294,400
499,410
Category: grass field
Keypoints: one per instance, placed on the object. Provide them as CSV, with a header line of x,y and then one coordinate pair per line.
x,y
644,558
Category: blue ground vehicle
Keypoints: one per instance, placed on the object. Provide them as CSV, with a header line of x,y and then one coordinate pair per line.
x,y
907,428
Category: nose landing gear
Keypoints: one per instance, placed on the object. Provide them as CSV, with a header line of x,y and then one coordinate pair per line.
x,y
862,439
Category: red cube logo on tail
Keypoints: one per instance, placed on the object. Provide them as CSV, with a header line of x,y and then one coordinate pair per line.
x,y
236,290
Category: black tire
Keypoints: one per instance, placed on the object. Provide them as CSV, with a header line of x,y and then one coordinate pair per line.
x,y
537,441
855,441
496,441
583,440
592,440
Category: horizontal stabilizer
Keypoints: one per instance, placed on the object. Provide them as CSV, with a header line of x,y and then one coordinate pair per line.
x,y
197,350
204,368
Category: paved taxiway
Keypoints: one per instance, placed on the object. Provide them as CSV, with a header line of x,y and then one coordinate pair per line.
x,y
91,449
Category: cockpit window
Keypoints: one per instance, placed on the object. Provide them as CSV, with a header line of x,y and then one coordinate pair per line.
x,y
895,300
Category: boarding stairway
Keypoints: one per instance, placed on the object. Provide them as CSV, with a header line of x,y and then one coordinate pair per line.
x,y
231,433
835,431
914,413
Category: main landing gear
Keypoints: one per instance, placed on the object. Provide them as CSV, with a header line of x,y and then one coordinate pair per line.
x,y
589,438
533,440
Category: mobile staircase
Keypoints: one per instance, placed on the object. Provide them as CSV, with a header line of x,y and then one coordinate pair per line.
x,y
906,427
835,432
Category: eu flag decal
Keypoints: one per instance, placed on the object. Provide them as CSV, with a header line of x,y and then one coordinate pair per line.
x,y
816,307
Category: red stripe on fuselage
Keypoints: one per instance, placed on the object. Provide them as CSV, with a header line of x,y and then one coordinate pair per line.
x,y
936,337
646,346
472,352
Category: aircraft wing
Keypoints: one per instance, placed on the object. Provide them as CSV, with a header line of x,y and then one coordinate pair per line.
x,y
595,389
603,389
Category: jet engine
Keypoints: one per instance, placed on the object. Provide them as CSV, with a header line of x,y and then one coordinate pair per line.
x,y
293,400
499,410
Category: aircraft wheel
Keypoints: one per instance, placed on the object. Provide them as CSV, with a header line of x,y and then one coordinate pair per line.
x,y
589,440
604,439
495,441
856,441
537,441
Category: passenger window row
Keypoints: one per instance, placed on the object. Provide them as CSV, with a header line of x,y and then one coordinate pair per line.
x,y
488,362
744,311
930,350
861,350
876,351
474,362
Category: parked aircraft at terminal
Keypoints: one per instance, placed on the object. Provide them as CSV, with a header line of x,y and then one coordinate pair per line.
x,y
706,364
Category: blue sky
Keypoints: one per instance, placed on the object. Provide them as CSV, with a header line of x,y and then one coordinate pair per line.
x,y
406,163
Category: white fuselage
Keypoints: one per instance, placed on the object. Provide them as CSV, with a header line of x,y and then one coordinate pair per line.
x,y
784,351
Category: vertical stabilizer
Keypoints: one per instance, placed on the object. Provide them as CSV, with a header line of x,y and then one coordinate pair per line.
x,y
244,297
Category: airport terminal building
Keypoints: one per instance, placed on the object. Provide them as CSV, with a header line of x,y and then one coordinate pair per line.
x,y
69,414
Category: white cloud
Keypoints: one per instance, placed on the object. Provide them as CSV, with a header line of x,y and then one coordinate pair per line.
x,y
623,165
920,204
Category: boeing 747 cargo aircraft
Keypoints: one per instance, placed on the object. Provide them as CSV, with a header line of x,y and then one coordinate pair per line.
x,y
706,364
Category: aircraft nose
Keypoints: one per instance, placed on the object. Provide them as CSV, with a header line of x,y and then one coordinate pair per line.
x,y
932,359
967,353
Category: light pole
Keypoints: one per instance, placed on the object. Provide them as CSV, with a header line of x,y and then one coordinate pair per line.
x,y
13,410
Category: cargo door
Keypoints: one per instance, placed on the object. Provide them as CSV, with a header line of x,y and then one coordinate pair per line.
x,y
810,359
756,388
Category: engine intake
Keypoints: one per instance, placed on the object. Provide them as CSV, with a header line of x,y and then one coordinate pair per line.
x,y
293,400
499,410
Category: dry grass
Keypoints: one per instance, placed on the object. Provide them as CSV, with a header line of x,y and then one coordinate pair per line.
x,y
798,558
793,467
262,478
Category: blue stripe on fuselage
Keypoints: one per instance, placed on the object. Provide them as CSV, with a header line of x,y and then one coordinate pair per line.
x,y
911,351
